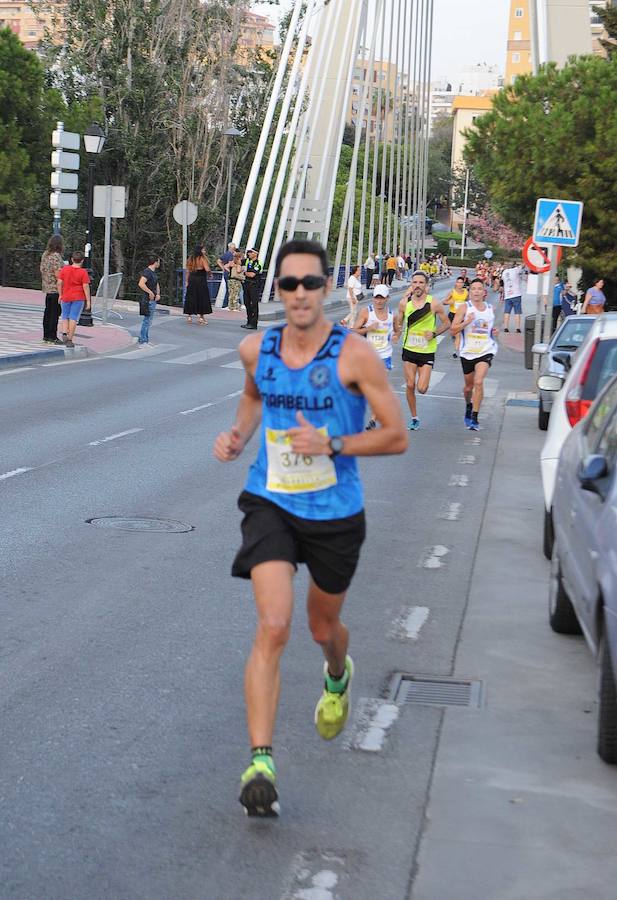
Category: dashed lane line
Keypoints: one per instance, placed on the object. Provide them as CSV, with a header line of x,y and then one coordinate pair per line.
x,y
13,473
409,622
187,412
114,437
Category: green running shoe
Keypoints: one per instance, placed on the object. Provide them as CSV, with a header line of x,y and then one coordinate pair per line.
x,y
259,796
332,710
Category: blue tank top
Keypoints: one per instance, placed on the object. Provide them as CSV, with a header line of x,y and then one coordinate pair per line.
x,y
310,487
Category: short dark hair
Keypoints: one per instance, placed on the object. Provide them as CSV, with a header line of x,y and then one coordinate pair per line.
x,y
423,274
460,278
152,258
77,256
476,281
310,248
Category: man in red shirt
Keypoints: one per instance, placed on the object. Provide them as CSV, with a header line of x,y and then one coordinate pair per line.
x,y
74,290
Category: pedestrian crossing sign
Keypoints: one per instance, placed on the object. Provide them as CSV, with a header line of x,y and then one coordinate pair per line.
x,y
558,222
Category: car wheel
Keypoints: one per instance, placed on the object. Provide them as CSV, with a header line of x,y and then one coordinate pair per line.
x,y
607,712
561,613
547,534
543,417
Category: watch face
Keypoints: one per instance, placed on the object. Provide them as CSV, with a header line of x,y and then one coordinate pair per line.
x,y
336,444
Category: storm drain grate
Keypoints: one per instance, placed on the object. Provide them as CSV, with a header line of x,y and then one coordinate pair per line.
x,y
442,690
140,523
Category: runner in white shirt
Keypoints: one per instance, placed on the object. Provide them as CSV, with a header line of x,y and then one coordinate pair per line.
x,y
475,322
512,291
378,325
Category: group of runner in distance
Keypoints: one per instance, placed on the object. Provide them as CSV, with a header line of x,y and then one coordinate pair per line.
x,y
308,383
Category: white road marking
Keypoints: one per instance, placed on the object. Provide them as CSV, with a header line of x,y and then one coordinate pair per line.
x,y
474,441
452,512
490,386
114,437
467,459
12,371
315,876
373,720
408,623
144,352
434,557
187,412
69,362
459,480
14,472
238,364
200,356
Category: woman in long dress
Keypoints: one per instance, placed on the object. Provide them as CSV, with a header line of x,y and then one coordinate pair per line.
x,y
197,300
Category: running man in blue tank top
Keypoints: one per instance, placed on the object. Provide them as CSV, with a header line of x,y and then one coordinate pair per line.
x,y
306,389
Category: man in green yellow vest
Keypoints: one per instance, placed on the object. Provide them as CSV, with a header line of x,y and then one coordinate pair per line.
x,y
417,317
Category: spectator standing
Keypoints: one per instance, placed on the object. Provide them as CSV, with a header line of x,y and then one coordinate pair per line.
x,y
74,291
197,301
558,291
369,268
512,293
354,295
400,267
148,284
568,300
237,277
51,263
390,269
595,298
225,263
252,290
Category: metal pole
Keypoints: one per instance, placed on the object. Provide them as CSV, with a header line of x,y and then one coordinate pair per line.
x,y
265,130
108,193
57,213
384,155
548,316
367,135
88,246
379,132
535,36
228,207
427,118
465,215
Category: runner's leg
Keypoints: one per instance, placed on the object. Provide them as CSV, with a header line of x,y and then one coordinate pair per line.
x,y
478,387
326,627
467,394
424,378
411,370
273,590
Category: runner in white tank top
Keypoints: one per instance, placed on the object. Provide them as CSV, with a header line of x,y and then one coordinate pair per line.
x,y
377,324
475,322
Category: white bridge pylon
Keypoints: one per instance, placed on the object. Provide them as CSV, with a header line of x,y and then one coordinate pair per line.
x,y
370,57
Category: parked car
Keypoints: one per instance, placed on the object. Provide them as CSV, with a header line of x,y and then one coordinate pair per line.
x,y
590,368
555,356
583,583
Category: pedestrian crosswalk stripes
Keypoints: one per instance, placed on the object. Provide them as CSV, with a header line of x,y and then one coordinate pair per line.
x,y
200,356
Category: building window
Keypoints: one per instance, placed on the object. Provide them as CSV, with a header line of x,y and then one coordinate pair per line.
x,y
518,35
518,13
516,57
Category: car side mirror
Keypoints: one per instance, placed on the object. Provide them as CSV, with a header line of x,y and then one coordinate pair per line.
x,y
541,349
565,359
551,383
594,468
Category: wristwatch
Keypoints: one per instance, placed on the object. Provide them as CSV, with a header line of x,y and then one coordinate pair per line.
x,y
336,446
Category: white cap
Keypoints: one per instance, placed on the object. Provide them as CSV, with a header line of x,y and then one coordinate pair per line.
x,y
381,290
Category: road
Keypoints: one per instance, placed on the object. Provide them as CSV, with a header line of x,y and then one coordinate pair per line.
x,y
121,653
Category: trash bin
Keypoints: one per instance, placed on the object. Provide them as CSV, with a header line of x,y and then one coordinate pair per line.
x,y
530,327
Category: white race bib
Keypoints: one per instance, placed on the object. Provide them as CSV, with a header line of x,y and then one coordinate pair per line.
x,y
416,340
296,473
477,343
378,338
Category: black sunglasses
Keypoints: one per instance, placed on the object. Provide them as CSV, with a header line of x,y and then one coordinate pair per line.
x,y
309,282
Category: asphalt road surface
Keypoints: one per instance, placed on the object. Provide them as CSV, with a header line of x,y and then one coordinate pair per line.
x,y
122,653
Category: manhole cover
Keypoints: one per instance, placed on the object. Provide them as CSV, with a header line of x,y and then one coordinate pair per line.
x,y
441,690
140,523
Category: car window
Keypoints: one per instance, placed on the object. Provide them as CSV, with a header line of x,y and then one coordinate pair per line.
x,y
596,420
607,445
603,367
572,334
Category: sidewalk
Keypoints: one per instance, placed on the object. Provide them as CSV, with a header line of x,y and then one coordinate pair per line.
x,y
21,332
521,807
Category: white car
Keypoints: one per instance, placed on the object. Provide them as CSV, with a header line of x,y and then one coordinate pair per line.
x,y
592,366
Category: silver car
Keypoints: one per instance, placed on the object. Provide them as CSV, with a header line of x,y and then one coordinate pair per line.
x,y
555,357
583,583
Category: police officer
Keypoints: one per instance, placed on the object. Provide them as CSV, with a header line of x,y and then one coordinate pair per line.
x,y
252,290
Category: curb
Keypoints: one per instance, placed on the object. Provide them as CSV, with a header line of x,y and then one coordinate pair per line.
x,y
37,356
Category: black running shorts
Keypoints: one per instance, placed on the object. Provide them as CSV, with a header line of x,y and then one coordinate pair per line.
x,y
330,548
470,364
419,359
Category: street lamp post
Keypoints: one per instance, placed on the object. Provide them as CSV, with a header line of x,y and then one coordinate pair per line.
x,y
94,139
231,133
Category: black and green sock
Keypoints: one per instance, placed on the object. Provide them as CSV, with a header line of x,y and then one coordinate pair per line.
x,y
337,684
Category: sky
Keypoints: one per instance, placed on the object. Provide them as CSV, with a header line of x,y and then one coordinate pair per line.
x,y
465,32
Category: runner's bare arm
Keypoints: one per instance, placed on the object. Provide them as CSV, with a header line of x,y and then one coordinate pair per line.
x,y
361,370
230,444
360,325
398,318
437,307
460,321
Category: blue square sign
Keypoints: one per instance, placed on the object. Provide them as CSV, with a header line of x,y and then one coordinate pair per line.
x,y
558,222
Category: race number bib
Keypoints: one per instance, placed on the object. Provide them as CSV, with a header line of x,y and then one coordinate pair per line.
x,y
477,343
416,340
378,338
296,473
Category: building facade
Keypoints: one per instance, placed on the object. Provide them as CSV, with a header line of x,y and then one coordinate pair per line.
x,y
518,48
29,26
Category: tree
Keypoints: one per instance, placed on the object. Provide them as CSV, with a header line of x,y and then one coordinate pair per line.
x,y
439,160
608,17
555,135
476,192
